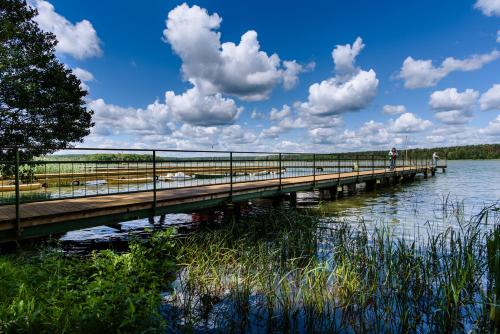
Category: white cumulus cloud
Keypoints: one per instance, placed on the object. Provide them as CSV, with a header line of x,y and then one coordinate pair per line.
x,y
79,40
235,134
279,114
241,70
112,119
408,123
488,7
394,109
206,110
84,76
453,107
344,57
352,89
423,73
493,128
271,132
333,96
490,100
292,71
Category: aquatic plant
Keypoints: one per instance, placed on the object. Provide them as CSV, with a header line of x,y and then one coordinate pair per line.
x,y
303,272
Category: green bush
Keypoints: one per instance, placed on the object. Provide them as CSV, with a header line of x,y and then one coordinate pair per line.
x,y
103,292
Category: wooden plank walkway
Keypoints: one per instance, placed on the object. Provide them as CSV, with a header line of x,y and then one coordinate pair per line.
x,y
93,211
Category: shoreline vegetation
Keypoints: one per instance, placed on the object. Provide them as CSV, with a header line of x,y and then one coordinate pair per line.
x,y
48,291
467,152
268,271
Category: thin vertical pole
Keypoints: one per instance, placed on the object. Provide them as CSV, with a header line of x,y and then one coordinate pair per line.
x,y
357,162
154,182
231,175
279,170
314,170
373,164
385,165
18,199
404,159
338,166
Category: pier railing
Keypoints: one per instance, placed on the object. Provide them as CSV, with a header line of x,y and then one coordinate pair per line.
x,y
84,172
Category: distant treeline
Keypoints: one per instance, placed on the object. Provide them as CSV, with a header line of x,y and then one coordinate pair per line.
x,y
479,152
99,157
466,152
476,152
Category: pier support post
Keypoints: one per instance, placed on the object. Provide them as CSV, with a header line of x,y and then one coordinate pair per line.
x,y
277,202
351,188
232,212
333,193
324,194
340,191
433,171
370,185
293,200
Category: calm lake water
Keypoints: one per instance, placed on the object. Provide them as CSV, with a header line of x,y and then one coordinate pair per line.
x,y
213,303
410,208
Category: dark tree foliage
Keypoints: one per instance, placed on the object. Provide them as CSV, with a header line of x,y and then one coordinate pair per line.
x,y
466,152
42,105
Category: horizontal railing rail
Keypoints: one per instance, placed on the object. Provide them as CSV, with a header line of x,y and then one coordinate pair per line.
x,y
106,171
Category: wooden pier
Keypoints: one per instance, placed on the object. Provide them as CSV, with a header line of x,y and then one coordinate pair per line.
x,y
41,218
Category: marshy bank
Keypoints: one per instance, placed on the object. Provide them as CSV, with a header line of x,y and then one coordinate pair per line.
x,y
270,271
304,272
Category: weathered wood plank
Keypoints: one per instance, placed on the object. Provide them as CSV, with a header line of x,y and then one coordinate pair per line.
x,y
48,212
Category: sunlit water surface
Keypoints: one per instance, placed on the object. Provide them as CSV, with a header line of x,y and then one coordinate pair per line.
x,y
411,209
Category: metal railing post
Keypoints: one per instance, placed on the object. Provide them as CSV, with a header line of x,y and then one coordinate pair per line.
x,y
338,166
385,165
231,176
279,169
357,162
373,164
154,182
18,199
314,170
404,160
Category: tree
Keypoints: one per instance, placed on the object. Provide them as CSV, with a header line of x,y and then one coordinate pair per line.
x,y
42,104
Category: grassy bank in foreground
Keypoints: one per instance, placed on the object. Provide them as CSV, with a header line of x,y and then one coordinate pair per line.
x,y
268,272
50,292
293,272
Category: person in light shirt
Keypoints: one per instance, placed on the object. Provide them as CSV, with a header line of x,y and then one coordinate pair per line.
x,y
393,154
435,158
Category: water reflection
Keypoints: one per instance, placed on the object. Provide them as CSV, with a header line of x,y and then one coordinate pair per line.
x,y
467,187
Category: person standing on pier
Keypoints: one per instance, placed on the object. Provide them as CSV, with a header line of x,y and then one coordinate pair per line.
x,y
393,154
435,158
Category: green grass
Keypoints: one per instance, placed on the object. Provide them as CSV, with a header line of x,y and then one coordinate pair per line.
x,y
295,272
49,292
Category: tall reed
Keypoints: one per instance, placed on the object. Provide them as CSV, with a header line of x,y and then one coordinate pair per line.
x,y
304,272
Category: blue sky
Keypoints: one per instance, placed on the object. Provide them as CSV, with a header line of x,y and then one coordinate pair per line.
x,y
378,91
